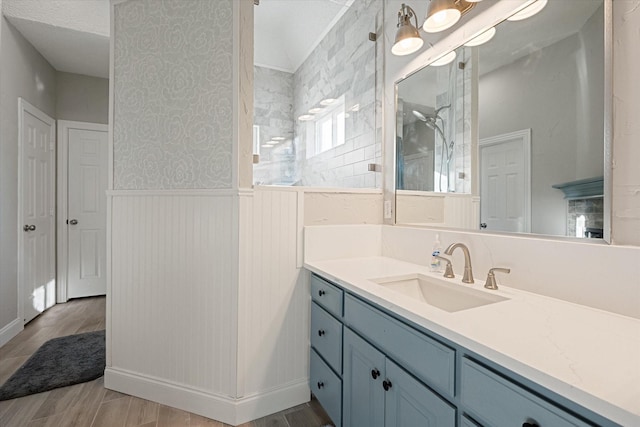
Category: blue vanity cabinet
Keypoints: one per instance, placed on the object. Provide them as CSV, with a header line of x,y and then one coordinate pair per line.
x,y
325,368
378,393
409,403
497,401
364,372
372,368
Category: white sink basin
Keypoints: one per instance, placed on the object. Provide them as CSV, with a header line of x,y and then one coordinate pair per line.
x,y
437,292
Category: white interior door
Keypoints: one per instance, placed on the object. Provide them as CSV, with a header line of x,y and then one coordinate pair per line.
x,y
505,182
36,211
87,211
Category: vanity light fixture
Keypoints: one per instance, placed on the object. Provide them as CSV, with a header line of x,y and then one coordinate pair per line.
x,y
528,11
408,39
327,101
305,117
316,110
444,59
443,14
278,138
482,38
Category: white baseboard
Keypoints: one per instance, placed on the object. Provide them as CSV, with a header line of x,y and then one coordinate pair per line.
x,y
220,408
10,331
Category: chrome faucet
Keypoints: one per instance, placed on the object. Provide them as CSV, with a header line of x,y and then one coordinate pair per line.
x,y
468,272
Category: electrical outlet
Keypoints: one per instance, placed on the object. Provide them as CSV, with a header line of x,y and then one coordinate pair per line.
x,y
387,209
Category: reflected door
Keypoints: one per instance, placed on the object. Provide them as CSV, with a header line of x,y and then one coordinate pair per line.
x,y
37,210
87,213
505,182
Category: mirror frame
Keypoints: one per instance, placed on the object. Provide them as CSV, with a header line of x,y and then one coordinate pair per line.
x,y
607,138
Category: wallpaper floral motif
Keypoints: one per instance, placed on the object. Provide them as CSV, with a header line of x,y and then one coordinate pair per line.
x,y
173,94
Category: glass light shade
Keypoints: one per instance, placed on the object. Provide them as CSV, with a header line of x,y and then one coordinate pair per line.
x,y
441,14
305,117
327,101
408,40
278,138
482,38
316,110
528,11
444,59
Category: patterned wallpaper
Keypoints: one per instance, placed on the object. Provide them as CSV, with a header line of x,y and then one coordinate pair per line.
x,y
173,109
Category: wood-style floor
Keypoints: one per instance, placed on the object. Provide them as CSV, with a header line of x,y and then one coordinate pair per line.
x,y
90,404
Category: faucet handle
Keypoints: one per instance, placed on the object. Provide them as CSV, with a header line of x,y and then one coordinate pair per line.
x,y
491,282
448,269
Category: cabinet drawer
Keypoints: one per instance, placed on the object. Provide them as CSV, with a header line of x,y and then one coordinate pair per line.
x,y
327,295
496,401
327,387
326,337
424,357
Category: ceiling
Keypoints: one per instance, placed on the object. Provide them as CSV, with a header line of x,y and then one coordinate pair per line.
x,y
73,35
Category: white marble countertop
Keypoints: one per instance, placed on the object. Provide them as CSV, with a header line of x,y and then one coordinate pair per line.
x,y
589,356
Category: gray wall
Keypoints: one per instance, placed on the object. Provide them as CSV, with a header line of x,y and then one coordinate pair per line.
x,y
82,98
173,114
23,73
546,91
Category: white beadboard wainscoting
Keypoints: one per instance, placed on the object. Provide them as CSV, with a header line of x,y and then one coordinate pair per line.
x,y
209,306
274,307
173,298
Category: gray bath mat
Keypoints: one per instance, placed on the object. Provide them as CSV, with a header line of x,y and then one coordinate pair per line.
x,y
59,362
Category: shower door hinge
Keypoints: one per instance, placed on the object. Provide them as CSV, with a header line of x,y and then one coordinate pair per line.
x,y
373,37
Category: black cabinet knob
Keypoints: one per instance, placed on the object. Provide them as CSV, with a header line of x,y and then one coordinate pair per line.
x,y
320,384
321,292
386,384
530,424
375,373
320,332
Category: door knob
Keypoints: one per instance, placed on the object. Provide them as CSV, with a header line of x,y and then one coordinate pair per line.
x,y
483,225
73,222
28,228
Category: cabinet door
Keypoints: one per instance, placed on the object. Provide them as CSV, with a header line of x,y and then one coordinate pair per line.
x,y
408,403
363,395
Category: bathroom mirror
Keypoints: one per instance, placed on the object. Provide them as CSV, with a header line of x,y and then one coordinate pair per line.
x,y
510,135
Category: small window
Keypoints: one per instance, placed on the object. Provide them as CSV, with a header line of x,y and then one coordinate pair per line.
x,y
327,129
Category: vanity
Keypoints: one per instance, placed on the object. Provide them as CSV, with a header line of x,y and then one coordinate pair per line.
x,y
381,357
545,351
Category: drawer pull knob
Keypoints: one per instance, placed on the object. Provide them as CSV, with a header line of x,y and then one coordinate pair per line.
x,y
386,384
530,424
320,332
375,373
321,292
320,384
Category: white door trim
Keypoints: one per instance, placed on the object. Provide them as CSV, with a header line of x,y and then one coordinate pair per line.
x,y
64,126
24,106
524,136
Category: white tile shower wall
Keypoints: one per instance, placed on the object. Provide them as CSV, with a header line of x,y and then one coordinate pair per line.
x,y
173,96
273,113
595,275
344,63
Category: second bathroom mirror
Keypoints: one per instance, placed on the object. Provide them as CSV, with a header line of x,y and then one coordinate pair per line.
x,y
509,135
